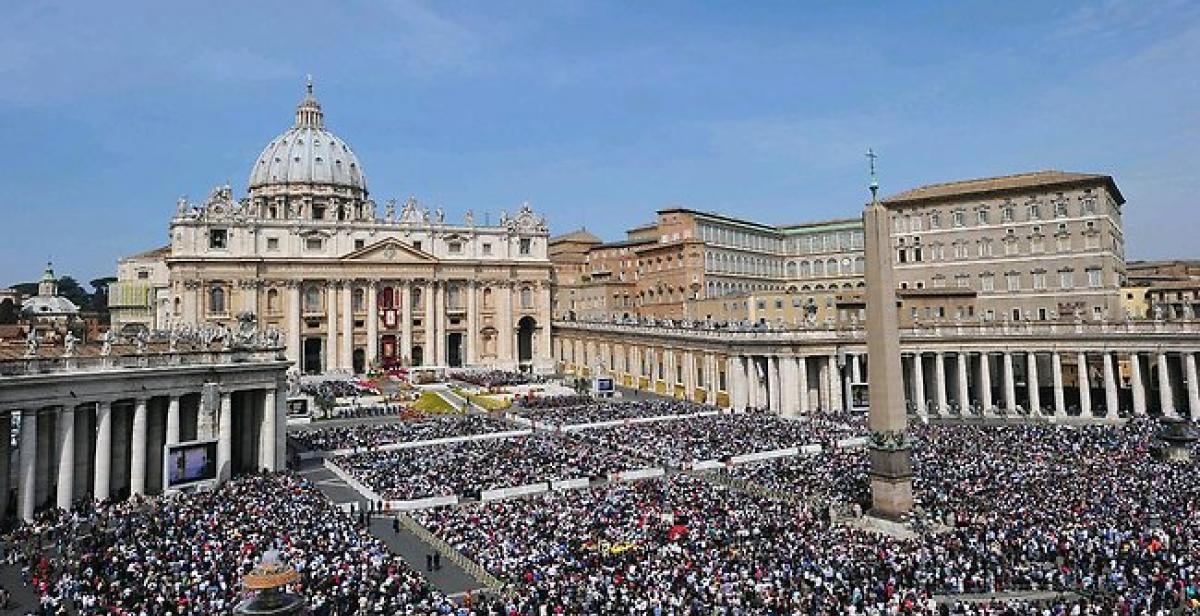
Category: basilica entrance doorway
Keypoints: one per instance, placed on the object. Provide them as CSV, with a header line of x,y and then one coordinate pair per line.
x,y
312,356
454,354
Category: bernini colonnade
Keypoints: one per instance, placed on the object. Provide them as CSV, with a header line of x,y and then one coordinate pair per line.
x,y
1087,370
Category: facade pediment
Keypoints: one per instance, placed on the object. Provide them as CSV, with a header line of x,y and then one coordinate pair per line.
x,y
389,251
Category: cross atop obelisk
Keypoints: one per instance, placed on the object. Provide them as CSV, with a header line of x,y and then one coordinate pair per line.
x,y
887,420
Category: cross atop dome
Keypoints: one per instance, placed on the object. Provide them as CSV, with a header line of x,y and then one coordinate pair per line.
x,y
308,112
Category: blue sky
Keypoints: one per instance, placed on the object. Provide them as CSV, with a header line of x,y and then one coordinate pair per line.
x,y
596,113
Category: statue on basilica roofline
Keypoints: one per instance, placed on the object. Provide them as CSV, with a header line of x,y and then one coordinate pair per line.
x,y
389,213
70,344
31,343
469,218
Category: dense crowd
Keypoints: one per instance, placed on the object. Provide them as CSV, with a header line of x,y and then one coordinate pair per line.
x,y
494,378
1085,511
416,428
467,467
335,388
715,437
187,554
587,410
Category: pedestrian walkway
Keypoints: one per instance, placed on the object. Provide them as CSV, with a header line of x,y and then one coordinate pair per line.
x,y
450,579
24,600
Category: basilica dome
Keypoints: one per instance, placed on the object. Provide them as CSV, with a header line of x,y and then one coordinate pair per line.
x,y
308,155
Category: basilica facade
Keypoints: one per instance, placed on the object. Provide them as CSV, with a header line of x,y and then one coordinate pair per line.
x,y
352,285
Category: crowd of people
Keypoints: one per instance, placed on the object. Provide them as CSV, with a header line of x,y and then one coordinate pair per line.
x,y
1085,515
465,468
494,378
187,554
567,410
412,429
336,388
715,437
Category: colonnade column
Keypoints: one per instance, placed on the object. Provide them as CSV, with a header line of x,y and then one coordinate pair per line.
x,y
736,374
225,438
1166,398
985,383
294,350
5,460
331,327
429,355
266,433
802,377
1085,386
791,386
137,450
1010,385
372,323
775,399
27,465
472,326
939,371
964,386
835,385
406,319
172,420
1135,383
918,377
1193,388
103,476
1060,404
1111,401
1031,381
66,457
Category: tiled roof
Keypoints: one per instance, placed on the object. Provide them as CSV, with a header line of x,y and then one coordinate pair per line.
x,y
1036,179
578,235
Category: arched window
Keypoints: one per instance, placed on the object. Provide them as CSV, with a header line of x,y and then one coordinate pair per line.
x,y
791,269
416,298
216,300
487,299
385,298
453,297
177,306
272,300
358,301
831,267
312,299
526,297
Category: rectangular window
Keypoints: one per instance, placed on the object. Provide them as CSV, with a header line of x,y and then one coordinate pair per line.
x,y
417,245
455,248
318,212
217,239
989,283
526,246
1060,210
935,221
1035,212
312,244
359,244
1039,281
982,217
272,244
143,275
1094,278
487,248
1014,282
1067,280
960,218
1016,314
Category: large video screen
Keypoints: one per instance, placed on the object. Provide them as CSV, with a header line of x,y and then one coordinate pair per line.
x,y
604,385
191,462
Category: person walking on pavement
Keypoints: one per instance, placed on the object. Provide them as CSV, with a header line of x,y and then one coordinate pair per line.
x,y
428,562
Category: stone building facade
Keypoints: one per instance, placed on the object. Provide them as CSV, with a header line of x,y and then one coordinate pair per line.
x,y
351,285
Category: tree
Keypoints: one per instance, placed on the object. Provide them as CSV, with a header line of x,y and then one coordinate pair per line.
x,y
69,288
8,312
99,299
27,289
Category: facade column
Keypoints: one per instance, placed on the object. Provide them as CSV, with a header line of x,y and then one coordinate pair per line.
x,y
1010,385
372,323
331,327
939,371
507,352
1135,383
266,433
137,449
964,386
1031,381
541,351
1060,404
1111,401
429,356
173,420
225,438
295,351
787,386
66,457
918,377
346,361
102,479
439,309
1085,386
472,323
775,400
27,465
1193,388
406,317
1166,398
802,377
985,383
733,372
